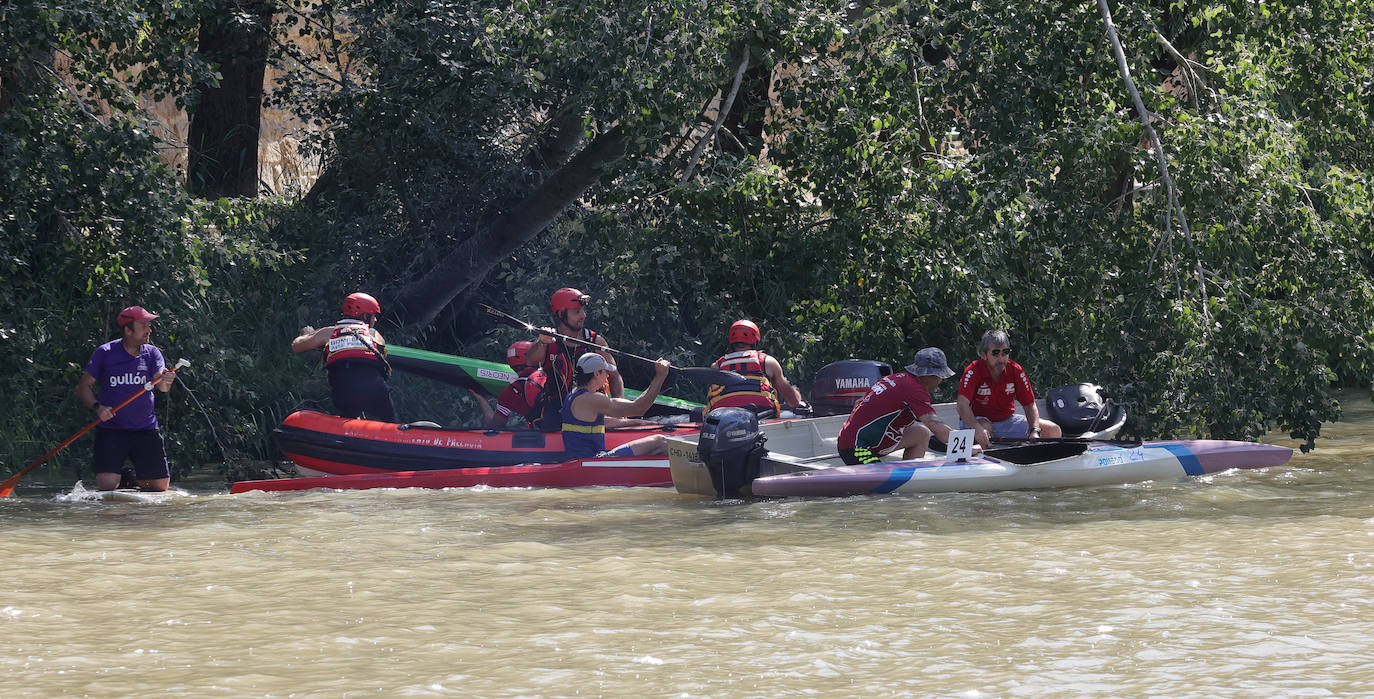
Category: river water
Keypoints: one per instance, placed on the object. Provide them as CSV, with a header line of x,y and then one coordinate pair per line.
x,y
1255,583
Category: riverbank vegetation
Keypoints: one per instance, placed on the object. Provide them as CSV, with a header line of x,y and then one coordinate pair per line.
x,y
862,179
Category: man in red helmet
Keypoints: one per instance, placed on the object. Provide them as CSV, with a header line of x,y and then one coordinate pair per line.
x,y
556,357
764,380
121,368
355,358
525,396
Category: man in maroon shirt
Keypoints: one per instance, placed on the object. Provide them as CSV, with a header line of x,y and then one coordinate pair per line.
x,y
986,390
897,412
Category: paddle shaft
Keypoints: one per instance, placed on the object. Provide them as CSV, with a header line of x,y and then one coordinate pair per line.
x,y
8,486
720,376
1070,440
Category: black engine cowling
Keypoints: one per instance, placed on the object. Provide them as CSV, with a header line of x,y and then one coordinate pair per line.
x,y
731,447
839,385
1081,408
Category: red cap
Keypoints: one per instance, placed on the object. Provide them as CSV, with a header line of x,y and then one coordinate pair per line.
x,y
133,313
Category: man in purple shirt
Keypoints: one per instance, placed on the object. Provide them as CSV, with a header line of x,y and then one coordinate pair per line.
x,y
120,368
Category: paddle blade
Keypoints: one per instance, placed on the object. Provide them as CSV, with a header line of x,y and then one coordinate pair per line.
x,y
504,319
708,375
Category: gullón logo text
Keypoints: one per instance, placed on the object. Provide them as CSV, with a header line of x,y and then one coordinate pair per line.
x,y
126,380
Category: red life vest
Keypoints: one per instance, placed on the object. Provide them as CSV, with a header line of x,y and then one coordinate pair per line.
x,y
350,341
754,392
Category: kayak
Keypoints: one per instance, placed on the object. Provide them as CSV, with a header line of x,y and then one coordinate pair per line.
x,y
1049,464
321,444
651,471
803,445
493,377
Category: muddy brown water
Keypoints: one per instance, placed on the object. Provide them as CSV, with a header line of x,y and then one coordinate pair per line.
x,y
1255,583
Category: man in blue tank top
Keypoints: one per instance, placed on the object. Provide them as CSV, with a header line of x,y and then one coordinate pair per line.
x,y
120,368
585,411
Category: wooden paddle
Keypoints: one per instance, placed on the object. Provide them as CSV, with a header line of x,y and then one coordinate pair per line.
x,y
709,375
8,486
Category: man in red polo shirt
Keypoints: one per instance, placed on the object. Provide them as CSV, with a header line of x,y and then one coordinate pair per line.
x,y
986,390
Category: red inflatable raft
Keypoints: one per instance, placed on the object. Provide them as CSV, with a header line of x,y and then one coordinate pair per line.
x,y
328,445
628,471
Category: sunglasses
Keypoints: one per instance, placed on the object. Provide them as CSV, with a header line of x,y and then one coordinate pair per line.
x,y
1000,351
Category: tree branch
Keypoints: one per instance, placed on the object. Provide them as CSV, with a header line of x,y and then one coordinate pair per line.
x,y
1174,209
468,263
720,116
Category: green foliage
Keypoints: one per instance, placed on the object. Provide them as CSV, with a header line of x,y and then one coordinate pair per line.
x,y
927,171
917,201
92,222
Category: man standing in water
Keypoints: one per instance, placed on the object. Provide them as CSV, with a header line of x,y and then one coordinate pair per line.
x,y
558,357
986,390
121,368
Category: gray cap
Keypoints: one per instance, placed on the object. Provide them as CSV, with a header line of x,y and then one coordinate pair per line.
x,y
930,362
591,362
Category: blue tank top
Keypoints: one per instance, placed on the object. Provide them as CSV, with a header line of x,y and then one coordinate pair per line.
x,y
582,439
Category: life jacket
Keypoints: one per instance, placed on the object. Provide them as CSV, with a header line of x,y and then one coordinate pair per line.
x,y
753,392
347,343
582,438
544,413
560,364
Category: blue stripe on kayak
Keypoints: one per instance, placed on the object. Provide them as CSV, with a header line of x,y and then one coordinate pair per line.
x,y
1186,458
899,476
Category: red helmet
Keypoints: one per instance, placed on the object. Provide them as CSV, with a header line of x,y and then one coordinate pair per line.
x,y
566,299
515,355
357,304
744,331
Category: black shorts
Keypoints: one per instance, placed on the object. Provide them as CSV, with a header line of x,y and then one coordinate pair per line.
x,y
143,447
858,455
359,390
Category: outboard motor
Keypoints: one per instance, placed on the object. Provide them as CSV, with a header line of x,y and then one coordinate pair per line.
x,y
1081,408
839,385
731,447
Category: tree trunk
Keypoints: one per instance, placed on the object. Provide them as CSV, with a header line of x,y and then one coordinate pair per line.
x,y
745,122
223,138
467,264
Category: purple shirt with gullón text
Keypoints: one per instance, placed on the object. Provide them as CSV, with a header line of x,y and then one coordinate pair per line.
x,y
119,375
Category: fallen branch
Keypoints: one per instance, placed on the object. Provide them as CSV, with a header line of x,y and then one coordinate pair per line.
x,y
720,116
1174,209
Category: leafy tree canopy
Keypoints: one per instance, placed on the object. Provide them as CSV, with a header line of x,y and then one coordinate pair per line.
x,y
863,179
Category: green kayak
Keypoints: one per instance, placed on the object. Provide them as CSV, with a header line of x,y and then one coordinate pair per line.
x,y
491,377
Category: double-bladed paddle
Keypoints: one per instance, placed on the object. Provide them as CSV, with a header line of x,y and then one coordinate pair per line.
x,y
703,374
8,486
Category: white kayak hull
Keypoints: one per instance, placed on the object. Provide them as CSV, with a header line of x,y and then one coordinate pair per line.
x,y
1100,464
